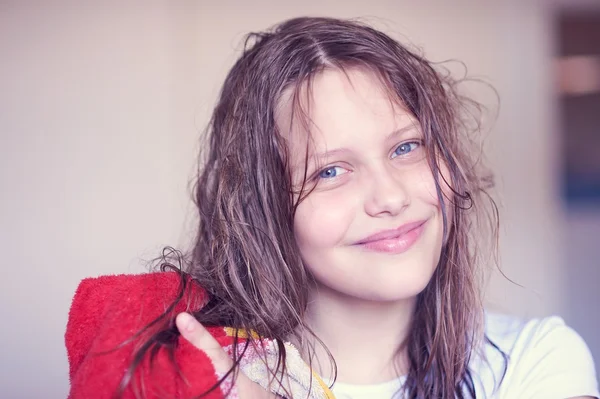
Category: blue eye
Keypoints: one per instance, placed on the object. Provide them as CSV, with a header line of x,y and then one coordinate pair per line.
x,y
331,172
405,148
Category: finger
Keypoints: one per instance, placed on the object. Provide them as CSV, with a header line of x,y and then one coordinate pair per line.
x,y
198,336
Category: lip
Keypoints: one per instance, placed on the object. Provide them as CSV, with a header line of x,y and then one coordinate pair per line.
x,y
392,233
394,240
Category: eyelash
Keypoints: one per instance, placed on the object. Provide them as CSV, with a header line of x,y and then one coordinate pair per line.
x,y
417,144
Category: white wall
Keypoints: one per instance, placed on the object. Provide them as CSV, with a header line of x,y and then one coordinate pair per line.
x,y
101,106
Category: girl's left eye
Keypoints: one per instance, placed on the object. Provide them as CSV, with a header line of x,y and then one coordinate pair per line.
x,y
405,148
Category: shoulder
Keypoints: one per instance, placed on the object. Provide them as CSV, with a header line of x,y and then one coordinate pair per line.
x,y
516,335
527,339
544,358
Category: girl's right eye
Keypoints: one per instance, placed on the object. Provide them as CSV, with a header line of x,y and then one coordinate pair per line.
x,y
331,172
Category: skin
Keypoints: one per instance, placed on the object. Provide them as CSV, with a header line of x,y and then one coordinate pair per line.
x,y
371,174
375,177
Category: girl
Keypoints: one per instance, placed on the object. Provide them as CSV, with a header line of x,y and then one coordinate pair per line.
x,y
343,215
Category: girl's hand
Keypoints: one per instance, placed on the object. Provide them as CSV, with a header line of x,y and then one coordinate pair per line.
x,y
197,335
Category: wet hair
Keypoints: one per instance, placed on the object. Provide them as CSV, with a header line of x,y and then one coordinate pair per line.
x,y
245,255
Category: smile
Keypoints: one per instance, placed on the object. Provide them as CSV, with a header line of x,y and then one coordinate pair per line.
x,y
394,241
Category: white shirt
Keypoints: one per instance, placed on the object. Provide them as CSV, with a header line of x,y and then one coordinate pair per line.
x,y
546,360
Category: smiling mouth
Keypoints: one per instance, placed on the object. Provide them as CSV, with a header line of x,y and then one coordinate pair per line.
x,y
394,241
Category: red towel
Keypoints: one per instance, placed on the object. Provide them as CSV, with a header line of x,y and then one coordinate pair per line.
x,y
107,311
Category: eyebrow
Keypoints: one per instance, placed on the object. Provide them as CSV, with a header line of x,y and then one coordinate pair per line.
x,y
395,133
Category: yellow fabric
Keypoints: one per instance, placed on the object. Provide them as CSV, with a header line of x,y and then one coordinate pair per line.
x,y
230,331
326,390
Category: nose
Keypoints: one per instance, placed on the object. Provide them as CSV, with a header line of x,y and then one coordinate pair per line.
x,y
385,193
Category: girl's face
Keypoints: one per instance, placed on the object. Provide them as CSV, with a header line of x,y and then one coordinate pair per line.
x,y
372,227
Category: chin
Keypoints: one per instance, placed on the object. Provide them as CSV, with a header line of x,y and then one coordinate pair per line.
x,y
378,277
399,287
400,292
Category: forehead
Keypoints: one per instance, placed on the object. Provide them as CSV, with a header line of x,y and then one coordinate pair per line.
x,y
336,108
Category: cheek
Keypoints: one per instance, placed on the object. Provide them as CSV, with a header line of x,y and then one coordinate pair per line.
x,y
423,185
322,220
427,188
426,192
430,196
445,184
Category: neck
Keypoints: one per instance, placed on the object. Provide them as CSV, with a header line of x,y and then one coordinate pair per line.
x,y
364,337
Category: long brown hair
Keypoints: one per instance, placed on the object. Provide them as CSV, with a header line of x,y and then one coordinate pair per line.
x,y
245,255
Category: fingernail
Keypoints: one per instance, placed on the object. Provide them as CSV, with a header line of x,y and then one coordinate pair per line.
x,y
188,322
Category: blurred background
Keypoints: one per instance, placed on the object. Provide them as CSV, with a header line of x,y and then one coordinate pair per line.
x,y
101,107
